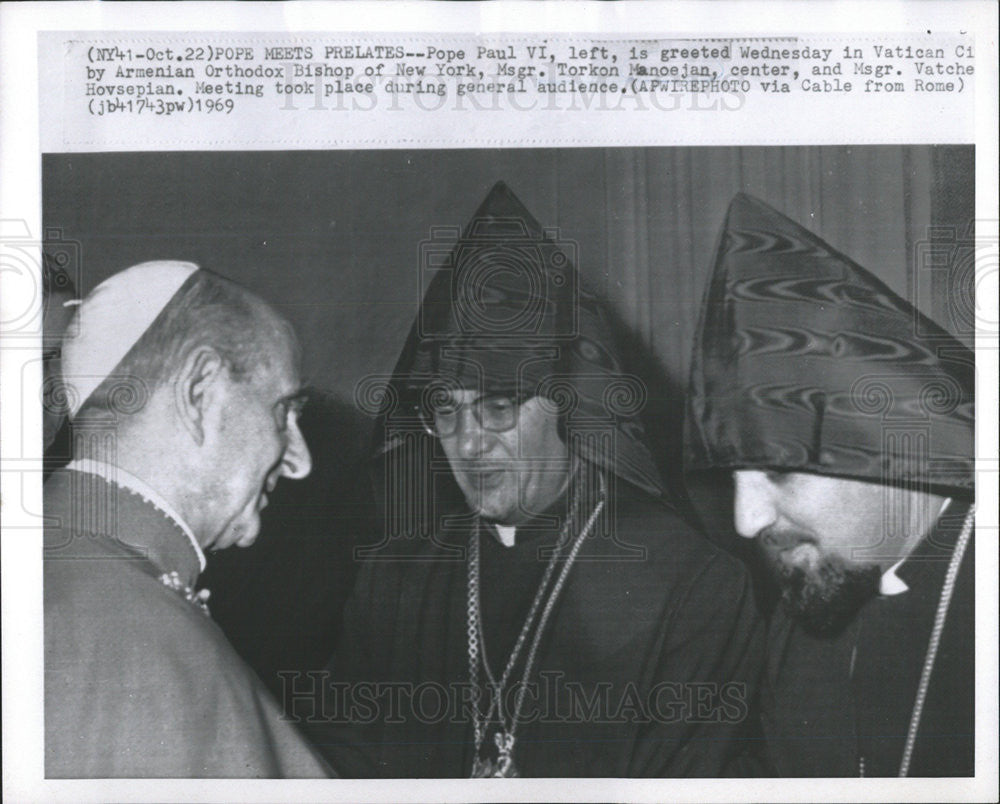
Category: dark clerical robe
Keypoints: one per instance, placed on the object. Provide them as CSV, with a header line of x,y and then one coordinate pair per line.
x,y
139,682
646,667
842,706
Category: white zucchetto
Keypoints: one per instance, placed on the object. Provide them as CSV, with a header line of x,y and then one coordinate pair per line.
x,y
110,320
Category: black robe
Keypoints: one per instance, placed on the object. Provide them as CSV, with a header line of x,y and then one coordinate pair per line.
x,y
646,668
822,719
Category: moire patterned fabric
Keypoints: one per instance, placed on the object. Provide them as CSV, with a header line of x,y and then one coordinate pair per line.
x,y
805,361
506,312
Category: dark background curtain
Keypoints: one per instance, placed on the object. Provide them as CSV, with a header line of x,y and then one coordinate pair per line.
x,y
333,239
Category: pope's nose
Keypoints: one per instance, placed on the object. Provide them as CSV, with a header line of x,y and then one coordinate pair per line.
x,y
296,463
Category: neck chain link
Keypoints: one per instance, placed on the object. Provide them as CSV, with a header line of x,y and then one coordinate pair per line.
x,y
935,640
505,737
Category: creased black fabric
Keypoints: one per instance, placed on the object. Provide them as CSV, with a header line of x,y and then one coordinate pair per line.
x,y
822,719
507,312
649,664
805,361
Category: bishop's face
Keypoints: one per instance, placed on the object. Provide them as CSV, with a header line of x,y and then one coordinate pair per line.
x,y
507,458
828,539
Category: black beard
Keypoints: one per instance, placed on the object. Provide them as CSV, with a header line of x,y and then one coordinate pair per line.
x,y
825,601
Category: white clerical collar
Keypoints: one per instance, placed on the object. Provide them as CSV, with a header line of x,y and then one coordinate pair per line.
x,y
507,534
891,584
120,477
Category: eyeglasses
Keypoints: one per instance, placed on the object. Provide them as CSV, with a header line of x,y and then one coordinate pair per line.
x,y
494,413
287,407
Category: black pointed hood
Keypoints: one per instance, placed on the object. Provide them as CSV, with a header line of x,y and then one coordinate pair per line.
x,y
805,361
506,312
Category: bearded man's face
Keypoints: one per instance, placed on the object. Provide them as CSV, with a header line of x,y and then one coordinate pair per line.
x,y
827,539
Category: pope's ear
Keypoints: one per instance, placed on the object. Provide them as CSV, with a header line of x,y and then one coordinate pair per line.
x,y
196,381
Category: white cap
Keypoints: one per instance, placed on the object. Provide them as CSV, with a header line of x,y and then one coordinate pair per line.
x,y
110,320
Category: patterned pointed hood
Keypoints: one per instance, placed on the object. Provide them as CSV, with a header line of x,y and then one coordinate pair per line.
x,y
506,313
804,361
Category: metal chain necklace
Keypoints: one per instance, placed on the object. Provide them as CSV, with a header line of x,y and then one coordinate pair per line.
x,y
505,736
935,640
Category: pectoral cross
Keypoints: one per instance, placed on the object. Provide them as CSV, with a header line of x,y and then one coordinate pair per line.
x,y
504,766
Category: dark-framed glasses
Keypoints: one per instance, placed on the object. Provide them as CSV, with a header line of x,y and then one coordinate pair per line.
x,y
493,412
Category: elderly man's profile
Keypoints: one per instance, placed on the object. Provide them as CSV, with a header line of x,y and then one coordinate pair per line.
x,y
183,392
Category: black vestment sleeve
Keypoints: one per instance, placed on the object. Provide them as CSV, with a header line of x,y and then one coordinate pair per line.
x,y
714,648
340,718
